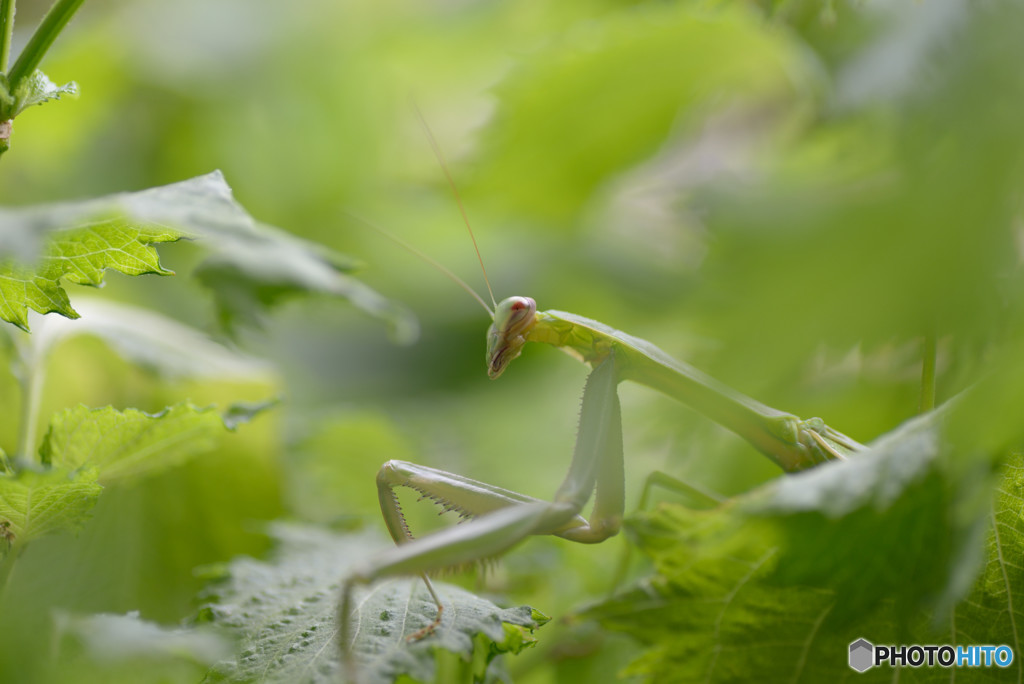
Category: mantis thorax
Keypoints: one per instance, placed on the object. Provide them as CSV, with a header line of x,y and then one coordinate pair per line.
x,y
513,318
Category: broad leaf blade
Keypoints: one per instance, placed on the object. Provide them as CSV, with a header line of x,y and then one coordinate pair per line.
x,y
893,498
34,504
79,255
129,444
116,637
781,581
599,78
285,613
710,614
151,340
124,648
251,267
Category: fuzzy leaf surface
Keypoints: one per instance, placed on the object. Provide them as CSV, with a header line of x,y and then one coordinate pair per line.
x,y
79,255
285,614
250,268
35,504
151,340
759,588
130,443
38,88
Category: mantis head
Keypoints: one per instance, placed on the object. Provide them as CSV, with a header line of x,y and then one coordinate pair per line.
x,y
513,319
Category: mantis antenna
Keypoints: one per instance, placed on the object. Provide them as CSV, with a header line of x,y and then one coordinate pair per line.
x,y
433,262
458,199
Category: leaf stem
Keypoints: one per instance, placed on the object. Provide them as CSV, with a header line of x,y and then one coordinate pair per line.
x,y
51,26
928,353
6,32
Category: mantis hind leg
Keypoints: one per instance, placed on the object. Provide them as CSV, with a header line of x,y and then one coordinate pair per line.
x,y
694,496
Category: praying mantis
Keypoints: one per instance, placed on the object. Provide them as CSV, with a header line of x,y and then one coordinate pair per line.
x,y
500,518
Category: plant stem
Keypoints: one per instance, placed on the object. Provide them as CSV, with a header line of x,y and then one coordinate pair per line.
x,y
928,352
6,32
7,566
51,26
30,380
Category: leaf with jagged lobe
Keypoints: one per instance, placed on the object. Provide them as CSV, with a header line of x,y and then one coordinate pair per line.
x,y
38,88
250,268
780,581
285,613
80,255
34,90
130,444
35,504
85,447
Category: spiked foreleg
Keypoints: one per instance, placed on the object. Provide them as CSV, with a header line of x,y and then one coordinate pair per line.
x,y
597,461
503,518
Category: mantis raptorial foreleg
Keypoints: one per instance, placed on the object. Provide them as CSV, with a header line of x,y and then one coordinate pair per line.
x,y
502,518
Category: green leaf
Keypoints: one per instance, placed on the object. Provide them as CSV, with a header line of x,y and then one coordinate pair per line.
x,y
285,614
37,89
870,186
251,266
79,255
149,339
115,637
608,94
34,504
709,613
781,581
892,498
254,266
124,648
255,271
130,443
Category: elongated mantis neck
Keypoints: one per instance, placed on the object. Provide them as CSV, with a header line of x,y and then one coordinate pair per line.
x,y
793,444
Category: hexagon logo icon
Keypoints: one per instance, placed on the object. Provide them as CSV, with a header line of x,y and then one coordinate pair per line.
x,y
862,655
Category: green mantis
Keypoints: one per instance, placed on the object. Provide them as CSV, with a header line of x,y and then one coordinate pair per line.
x,y
501,518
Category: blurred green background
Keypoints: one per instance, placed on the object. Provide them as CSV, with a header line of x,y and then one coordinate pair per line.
x,y
788,195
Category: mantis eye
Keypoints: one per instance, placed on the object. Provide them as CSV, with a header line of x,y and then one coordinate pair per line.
x,y
515,313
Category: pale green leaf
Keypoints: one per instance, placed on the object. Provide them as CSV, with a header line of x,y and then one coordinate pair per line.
x,y
253,266
893,498
250,268
993,611
117,637
130,443
124,648
609,93
924,235
148,339
736,593
79,255
34,504
285,613
37,89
